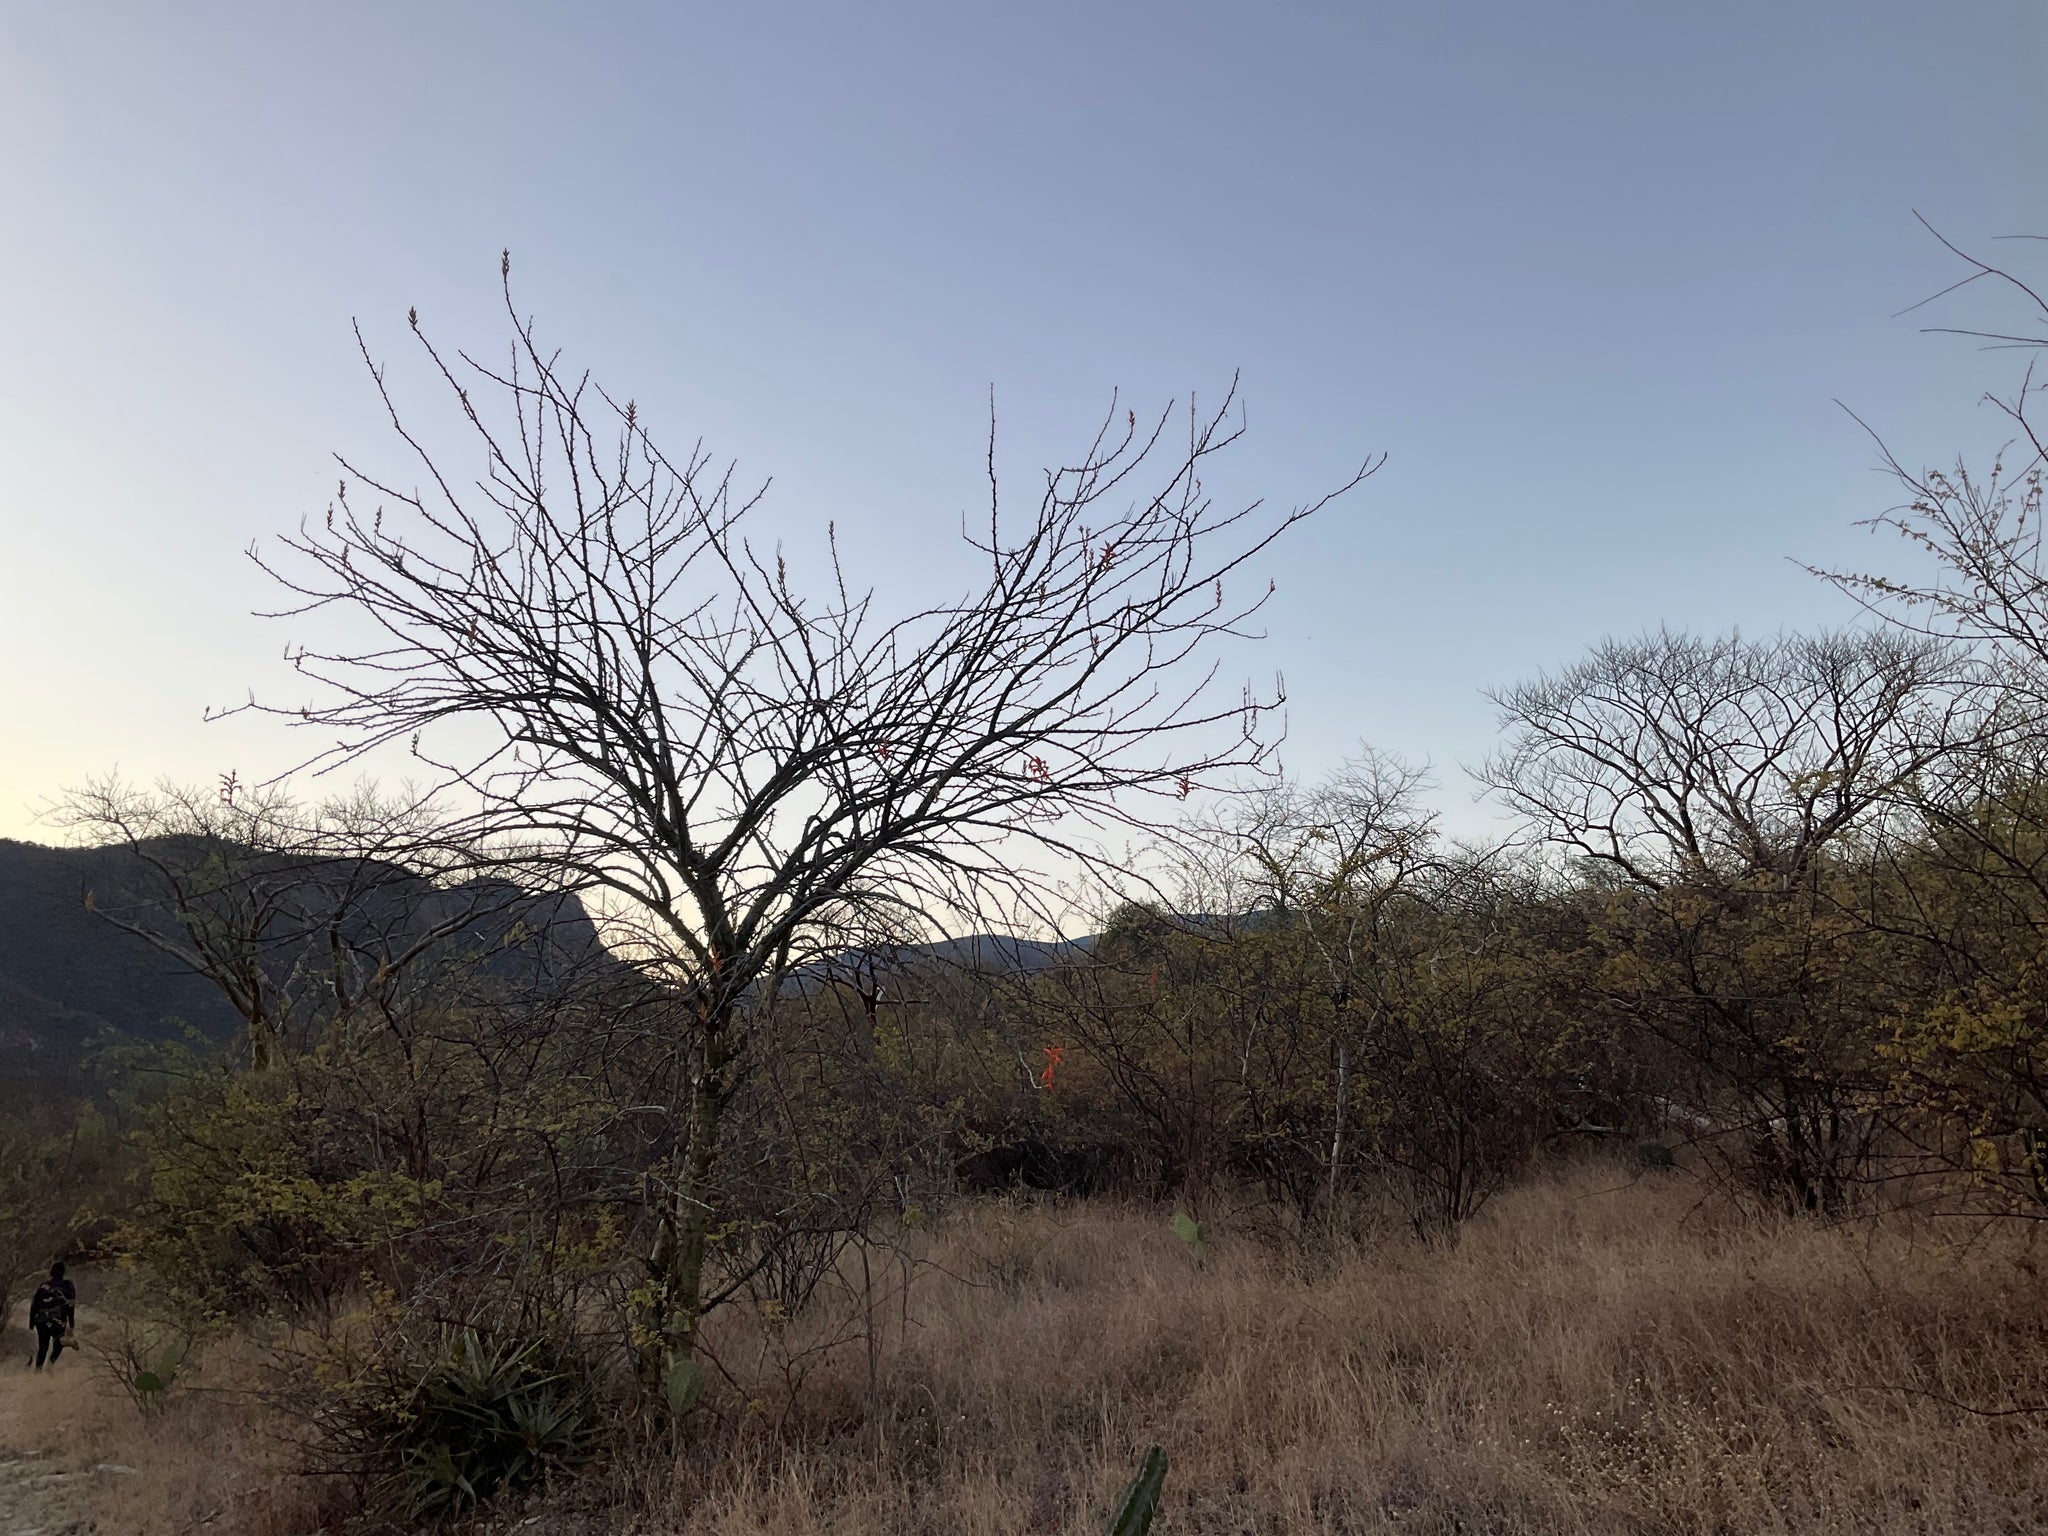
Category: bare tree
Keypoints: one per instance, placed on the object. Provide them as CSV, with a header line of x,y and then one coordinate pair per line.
x,y
1335,858
668,717
1989,587
1971,890
300,915
1729,784
1676,758
1983,585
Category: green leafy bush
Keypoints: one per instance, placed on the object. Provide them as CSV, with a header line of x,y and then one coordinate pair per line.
x,y
144,1356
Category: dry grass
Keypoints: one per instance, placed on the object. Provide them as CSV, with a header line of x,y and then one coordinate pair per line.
x,y
1586,1360
216,1463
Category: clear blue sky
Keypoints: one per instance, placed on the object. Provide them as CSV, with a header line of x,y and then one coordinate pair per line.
x,y
1591,274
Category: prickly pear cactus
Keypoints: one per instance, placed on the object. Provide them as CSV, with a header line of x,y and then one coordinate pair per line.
x,y
684,1383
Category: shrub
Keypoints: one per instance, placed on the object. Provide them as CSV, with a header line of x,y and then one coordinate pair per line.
x,y
143,1356
474,1415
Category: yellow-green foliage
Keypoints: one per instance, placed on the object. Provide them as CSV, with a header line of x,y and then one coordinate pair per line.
x,y
247,1201
49,1183
361,1164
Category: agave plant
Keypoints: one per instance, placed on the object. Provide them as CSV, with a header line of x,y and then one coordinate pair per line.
x,y
482,1416
1141,1503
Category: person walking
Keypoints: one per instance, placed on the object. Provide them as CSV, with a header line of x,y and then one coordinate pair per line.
x,y
52,1311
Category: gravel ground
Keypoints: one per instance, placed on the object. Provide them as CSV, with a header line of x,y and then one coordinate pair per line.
x,y
44,1496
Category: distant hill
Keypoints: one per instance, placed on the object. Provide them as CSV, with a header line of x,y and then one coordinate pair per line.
x,y
1002,953
71,982
975,952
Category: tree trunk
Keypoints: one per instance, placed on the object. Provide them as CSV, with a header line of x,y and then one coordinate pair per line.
x,y
674,1308
1343,1091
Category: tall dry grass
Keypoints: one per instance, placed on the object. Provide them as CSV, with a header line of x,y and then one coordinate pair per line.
x,y
1588,1359
218,1462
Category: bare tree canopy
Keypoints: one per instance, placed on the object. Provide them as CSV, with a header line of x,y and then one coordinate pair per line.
x,y
675,720
302,914
1988,586
1677,757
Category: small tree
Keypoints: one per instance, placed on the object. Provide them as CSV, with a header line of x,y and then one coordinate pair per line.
x,y
1969,888
1338,860
298,914
666,715
1726,785
45,1180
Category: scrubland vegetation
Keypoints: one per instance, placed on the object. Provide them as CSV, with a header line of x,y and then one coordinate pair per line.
x,y
1599,1353
623,1136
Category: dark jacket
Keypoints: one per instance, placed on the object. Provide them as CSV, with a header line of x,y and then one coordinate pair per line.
x,y
53,1305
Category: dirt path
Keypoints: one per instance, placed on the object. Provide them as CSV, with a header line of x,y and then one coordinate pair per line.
x,y
41,1496
51,1469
